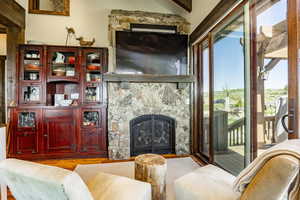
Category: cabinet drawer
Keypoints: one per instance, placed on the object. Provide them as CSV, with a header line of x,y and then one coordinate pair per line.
x,y
57,114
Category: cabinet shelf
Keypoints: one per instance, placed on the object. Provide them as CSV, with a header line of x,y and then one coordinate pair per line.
x,y
93,71
32,59
61,64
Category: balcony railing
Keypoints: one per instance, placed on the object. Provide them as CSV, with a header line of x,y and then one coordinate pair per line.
x,y
236,131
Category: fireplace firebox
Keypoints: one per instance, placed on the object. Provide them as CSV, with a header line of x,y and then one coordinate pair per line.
x,y
152,134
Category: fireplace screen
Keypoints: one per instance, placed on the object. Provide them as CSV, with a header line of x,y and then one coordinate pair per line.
x,y
152,134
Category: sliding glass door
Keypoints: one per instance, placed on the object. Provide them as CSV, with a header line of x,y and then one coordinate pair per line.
x,y
272,72
247,92
229,94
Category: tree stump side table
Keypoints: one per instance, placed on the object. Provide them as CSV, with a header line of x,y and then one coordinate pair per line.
x,y
152,168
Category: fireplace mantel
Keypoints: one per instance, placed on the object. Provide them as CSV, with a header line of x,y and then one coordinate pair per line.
x,y
149,78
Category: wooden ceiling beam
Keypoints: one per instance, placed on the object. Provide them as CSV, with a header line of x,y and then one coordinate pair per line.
x,y
186,4
3,30
12,14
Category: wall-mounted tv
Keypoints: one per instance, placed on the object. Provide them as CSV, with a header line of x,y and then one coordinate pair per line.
x,y
151,53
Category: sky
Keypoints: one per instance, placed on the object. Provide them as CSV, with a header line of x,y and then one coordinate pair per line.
x,y
229,55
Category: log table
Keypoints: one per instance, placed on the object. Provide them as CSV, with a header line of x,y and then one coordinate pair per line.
x,y
152,168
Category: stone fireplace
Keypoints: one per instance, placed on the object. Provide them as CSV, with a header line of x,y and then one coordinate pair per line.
x,y
158,114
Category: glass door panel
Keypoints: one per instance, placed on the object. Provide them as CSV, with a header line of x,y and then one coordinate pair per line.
x,y
26,120
91,118
32,64
272,72
30,94
93,93
93,66
205,104
229,94
63,64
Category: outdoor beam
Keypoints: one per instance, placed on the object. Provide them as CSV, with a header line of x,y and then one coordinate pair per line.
x,y
186,4
12,14
277,47
271,64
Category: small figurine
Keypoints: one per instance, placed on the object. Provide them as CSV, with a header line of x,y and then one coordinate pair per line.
x,y
84,43
71,32
60,58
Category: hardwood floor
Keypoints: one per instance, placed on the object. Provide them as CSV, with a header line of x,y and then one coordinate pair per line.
x,y
71,164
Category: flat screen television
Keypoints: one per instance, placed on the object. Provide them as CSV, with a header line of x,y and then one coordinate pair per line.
x,y
151,53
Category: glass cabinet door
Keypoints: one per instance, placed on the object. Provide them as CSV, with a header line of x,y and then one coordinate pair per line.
x,y
92,93
30,94
93,65
31,64
27,120
91,118
63,64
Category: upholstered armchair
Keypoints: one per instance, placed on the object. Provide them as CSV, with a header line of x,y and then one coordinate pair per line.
x,y
271,182
31,181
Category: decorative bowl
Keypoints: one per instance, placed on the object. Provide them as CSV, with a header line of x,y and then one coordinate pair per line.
x,y
59,73
32,67
93,67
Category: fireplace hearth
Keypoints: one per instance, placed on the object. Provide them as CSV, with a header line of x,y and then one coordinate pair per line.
x,y
152,134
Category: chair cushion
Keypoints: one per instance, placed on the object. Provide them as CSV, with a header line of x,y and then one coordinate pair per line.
x,y
31,181
111,187
206,183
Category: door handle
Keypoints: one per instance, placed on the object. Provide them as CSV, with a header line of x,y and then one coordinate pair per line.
x,y
284,124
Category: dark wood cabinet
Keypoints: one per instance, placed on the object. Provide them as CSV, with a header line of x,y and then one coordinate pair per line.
x,y
59,132
26,126
93,137
61,110
26,142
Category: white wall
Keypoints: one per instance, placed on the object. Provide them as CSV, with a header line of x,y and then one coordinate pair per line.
x,y
201,8
2,44
89,18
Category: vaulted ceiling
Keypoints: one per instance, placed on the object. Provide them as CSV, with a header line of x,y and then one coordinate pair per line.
x,y
186,4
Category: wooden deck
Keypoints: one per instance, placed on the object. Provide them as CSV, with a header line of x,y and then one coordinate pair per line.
x,y
233,160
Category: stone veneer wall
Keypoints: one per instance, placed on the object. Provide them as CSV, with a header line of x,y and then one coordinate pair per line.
x,y
121,19
146,98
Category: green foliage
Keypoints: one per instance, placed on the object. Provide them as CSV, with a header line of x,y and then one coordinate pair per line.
x,y
237,101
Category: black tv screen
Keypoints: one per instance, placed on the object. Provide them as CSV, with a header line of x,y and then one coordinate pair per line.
x,y
151,53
